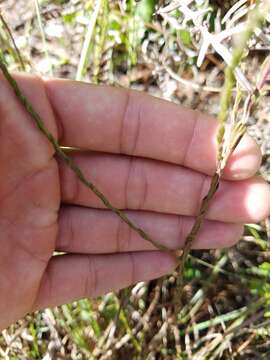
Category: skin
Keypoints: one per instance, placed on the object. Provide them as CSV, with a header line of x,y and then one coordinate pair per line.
x,y
148,156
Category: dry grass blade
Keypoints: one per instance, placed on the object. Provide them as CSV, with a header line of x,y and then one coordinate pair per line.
x,y
264,74
88,40
191,84
43,37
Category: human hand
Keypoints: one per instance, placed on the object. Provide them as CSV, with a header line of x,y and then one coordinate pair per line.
x,y
148,156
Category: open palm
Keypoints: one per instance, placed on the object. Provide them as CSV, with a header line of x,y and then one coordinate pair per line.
x,y
150,157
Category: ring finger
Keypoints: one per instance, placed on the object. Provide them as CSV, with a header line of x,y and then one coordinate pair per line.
x,y
92,231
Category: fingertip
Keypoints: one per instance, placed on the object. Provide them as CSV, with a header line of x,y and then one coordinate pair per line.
x,y
156,264
234,234
218,235
238,232
245,161
169,262
258,200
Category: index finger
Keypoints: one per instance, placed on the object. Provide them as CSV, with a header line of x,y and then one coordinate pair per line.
x,y
107,119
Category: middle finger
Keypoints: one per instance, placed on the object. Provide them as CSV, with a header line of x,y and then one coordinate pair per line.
x,y
142,184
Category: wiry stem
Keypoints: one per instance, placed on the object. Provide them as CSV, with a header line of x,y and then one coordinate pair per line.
x,y
68,160
17,51
255,18
199,221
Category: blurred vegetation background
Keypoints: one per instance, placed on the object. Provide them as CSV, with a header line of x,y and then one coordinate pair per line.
x,y
131,44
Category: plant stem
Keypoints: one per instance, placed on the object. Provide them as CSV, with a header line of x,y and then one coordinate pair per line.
x,y
102,25
17,51
256,17
68,160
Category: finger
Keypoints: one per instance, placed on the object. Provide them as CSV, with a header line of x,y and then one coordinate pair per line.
x,y
141,184
91,231
72,277
128,122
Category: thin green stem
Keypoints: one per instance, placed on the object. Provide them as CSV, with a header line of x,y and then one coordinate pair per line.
x,y
17,51
68,160
256,17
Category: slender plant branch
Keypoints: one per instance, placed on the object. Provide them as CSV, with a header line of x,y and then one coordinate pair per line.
x,y
68,160
17,51
256,17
